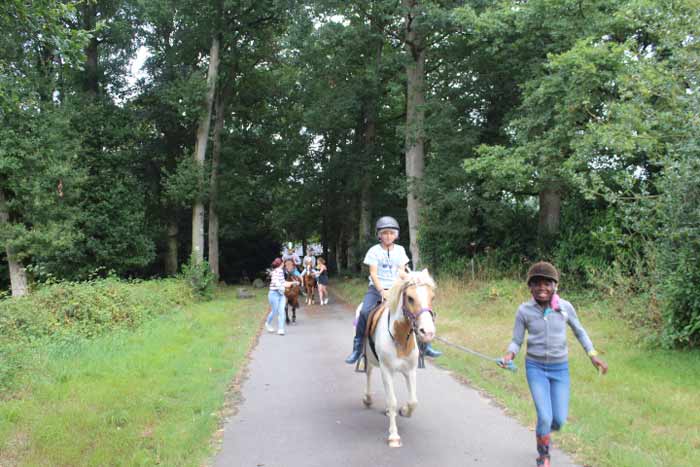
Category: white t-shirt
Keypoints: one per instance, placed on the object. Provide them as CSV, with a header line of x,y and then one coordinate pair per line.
x,y
309,258
293,256
388,263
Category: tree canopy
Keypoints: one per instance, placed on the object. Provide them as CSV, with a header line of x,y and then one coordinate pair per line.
x,y
500,130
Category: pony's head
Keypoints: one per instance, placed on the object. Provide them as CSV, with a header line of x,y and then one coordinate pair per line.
x,y
414,295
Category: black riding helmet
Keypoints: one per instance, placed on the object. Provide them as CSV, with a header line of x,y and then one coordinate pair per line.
x,y
387,222
543,269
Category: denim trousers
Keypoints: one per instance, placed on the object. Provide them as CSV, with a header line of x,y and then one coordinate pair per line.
x,y
277,301
549,386
372,297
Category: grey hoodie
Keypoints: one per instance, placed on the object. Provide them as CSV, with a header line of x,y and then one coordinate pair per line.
x,y
546,340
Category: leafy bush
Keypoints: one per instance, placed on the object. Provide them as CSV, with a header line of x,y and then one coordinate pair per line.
x,y
199,277
80,310
679,254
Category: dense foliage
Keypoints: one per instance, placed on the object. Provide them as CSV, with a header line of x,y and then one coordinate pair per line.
x,y
557,129
68,311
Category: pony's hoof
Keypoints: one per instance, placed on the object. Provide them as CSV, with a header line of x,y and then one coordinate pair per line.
x,y
394,442
367,400
405,412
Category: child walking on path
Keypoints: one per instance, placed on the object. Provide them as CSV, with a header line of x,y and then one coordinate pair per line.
x,y
545,317
322,281
276,297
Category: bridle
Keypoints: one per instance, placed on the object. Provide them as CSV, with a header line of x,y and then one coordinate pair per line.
x,y
412,318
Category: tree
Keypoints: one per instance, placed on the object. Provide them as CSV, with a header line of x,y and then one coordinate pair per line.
x,y
37,169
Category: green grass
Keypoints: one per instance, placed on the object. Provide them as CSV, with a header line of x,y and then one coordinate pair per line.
x,y
144,397
643,413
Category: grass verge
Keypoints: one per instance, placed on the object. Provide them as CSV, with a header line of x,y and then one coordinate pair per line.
x,y
144,397
641,414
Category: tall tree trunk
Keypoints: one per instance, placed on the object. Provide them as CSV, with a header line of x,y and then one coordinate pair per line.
x,y
91,83
18,275
213,184
220,106
351,259
550,214
171,253
415,127
339,250
200,150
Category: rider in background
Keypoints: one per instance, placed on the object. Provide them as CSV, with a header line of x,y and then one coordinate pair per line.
x,y
309,258
291,273
387,262
545,317
291,254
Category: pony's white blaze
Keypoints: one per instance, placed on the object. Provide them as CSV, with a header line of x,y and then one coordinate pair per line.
x,y
396,346
425,324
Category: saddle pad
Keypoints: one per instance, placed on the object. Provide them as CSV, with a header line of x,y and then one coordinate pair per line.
x,y
373,319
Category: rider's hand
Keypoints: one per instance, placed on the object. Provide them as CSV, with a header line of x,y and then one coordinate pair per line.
x,y
599,364
507,357
385,294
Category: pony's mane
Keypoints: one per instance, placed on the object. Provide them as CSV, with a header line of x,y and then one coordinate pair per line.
x,y
417,278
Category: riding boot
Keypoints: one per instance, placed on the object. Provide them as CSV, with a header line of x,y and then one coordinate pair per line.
x,y
357,342
431,352
543,450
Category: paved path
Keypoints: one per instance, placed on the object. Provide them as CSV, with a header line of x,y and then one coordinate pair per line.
x,y
302,407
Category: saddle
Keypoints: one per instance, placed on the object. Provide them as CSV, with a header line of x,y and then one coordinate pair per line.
x,y
372,321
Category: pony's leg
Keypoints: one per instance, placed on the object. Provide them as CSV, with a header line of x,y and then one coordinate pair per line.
x,y
294,314
286,312
394,438
410,406
367,398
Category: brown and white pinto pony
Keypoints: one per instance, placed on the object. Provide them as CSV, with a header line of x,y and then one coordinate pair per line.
x,y
407,313
309,283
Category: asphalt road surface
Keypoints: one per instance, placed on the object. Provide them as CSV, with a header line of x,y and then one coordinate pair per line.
x,y
301,406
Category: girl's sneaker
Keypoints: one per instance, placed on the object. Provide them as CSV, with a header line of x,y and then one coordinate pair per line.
x,y
280,332
269,328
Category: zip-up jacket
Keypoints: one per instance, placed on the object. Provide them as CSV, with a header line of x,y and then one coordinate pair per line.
x,y
546,339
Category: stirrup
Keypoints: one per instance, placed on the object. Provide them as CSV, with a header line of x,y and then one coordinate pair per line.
x,y
361,365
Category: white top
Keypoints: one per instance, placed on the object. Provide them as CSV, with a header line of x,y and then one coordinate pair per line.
x,y
309,258
388,263
293,256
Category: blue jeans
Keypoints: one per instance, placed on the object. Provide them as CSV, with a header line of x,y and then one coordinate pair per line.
x,y
372,297
277,302
549,386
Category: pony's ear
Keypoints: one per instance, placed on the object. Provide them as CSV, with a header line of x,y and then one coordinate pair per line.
x,y
425,271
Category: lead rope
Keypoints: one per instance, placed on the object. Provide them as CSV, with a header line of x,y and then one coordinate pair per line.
x,y
499,361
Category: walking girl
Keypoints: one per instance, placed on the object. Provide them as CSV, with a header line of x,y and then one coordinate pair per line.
x,y
545,317
276,297
322,281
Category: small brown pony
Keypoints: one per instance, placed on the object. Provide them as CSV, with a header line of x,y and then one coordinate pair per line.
x,y
309,282
291,293
292,296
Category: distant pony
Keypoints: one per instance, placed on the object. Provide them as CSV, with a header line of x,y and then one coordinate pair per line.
x,y
309,277
292,295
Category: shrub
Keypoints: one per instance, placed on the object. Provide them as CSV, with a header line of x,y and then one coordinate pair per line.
x,y
199,277
678,256
71,310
